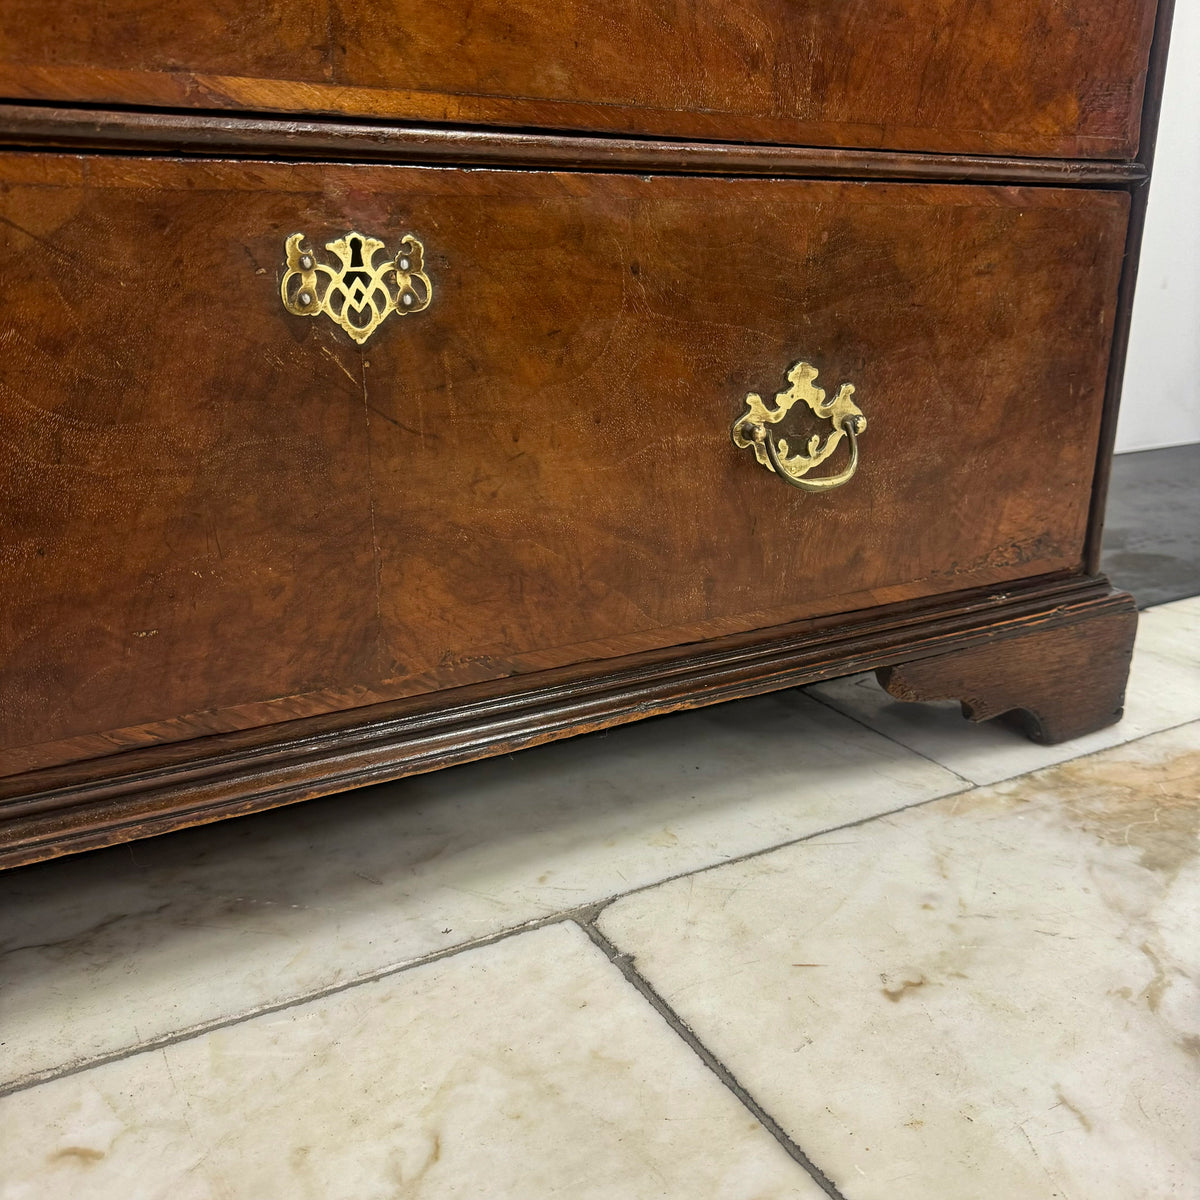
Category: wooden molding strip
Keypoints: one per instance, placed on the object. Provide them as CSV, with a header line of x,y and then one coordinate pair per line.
x,y
28,125
154,790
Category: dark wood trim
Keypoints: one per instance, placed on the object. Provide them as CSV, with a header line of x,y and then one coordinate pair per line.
x,y
28,125
1151,107
1063,682
149,791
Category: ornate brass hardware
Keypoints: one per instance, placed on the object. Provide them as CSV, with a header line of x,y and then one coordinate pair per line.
x,y
751,430
358,293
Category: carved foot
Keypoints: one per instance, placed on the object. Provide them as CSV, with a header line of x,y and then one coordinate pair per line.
x,y
1065,676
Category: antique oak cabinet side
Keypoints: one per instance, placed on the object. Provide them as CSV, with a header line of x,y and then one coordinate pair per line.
x,y
331,457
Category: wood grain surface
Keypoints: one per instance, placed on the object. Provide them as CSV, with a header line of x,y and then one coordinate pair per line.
x,y
1021,77
218,515
1061,682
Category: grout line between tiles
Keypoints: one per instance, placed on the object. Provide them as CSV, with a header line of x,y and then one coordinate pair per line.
x,y
971,783
580,914
624,963
895,741
192,1032
796,841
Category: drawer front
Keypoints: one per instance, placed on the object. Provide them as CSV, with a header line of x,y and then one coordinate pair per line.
x,y
1014,77
220,514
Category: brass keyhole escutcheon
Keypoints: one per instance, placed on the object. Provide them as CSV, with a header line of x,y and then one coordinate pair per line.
x,y
358,294
752,430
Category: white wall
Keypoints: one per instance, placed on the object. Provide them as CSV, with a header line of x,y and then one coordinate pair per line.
x,y
1160,405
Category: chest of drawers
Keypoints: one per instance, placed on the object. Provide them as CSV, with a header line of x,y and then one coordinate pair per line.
x,y
395,386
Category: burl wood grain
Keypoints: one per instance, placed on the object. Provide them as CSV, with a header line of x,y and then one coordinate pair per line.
x,y
218,515
1009,76
1061,682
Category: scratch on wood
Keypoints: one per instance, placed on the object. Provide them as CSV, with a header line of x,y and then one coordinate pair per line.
x,y
342,367
377,565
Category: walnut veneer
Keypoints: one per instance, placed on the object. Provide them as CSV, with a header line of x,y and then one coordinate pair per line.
x,y
247,560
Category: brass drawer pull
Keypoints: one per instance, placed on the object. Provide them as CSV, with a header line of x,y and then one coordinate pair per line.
x,y
750,430
358,293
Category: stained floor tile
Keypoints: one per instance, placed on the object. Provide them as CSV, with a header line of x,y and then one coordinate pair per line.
x,y
991,996
123,946
529,1068
1163,691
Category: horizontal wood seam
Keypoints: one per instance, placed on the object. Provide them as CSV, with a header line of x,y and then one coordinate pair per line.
x,y
201,135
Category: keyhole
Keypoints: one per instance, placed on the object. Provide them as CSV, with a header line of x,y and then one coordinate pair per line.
x,y
355,273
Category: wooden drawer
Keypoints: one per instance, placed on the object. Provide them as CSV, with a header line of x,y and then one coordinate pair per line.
x,y
1018,77
223,515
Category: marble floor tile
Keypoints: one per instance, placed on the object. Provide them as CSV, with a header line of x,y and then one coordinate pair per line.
x,y
528,1068
125,946
995,995
1164,691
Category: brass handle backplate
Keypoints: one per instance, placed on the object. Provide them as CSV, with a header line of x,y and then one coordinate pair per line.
x,y
358,293
752,431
